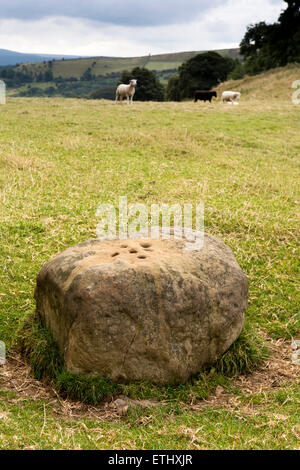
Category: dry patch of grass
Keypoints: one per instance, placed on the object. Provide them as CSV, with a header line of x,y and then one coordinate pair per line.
x,y
271,375
273,84
22,162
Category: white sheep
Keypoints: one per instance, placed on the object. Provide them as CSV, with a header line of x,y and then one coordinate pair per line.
x,y
126,91
230,96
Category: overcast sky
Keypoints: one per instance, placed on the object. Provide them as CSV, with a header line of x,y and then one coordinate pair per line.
x,y
128,27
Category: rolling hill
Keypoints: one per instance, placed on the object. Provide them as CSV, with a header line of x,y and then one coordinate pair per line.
x,y
78,77
108,65
12,57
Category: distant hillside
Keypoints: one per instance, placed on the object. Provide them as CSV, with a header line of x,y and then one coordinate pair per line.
x,y
12,58
110,65
79,77
275,83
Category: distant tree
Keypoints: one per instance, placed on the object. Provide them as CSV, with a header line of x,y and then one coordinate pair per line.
x,y
256,47
173,90
266,46
87,75
48,77
40,77
50,91
58,79
32,91
289,32
10,73
238,71
112,75
108,93
203,71
148,88
3,73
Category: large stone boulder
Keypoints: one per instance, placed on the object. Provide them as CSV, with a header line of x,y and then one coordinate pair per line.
x,y
143,309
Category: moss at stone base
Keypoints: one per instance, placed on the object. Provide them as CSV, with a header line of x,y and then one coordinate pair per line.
x,y
37,345
244,355
90,390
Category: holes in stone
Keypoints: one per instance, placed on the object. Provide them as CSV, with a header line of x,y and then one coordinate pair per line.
x,y
142,257
124,246
145,244
115,254
132,250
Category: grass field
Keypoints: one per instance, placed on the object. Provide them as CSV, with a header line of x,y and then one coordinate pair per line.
x,y
60,158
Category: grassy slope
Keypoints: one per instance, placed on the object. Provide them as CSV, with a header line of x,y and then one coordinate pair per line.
x,y
273,84
68,155
106,65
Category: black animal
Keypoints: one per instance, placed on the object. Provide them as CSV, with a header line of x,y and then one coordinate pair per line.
x,y
204,95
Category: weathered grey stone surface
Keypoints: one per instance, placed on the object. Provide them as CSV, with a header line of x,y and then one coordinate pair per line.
x,y
143,309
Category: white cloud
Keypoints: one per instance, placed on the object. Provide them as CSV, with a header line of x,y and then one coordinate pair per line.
x,y
221,27
119,12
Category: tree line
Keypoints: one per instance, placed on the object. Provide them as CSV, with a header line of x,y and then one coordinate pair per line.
x,y
267,46
264,46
